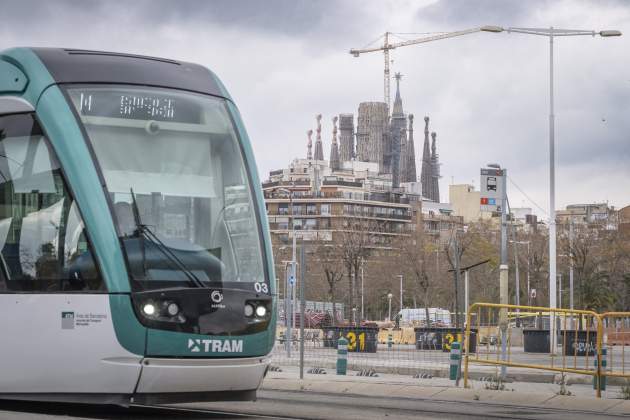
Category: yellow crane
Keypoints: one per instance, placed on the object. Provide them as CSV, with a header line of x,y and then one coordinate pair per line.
x,y
387,46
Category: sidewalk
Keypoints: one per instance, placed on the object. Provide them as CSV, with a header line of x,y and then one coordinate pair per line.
x,y
440,389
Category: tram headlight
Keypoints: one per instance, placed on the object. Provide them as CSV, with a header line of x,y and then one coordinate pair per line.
x,y
149,309
249,310
172,309
261,311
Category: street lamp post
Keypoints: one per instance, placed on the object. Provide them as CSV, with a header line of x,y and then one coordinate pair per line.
x,y
362,306
290,297
389,310
401,291
551,33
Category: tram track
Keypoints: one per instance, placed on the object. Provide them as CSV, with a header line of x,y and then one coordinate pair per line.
x,y
321,406
290,405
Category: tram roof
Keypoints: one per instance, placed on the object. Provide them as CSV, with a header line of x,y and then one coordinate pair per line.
x,y
87,66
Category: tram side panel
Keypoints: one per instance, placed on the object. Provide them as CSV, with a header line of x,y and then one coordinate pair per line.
x,y
61,343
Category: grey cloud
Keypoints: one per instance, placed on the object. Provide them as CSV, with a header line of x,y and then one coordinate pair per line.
x,y
285,61
479,12
290,18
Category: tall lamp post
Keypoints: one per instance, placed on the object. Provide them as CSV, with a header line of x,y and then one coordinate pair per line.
x,y
389,310
551,33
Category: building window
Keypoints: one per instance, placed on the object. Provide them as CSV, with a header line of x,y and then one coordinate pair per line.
x,y
324,223
283,209
325,209
311,209
282,223
310,224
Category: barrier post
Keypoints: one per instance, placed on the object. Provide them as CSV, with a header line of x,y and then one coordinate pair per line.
x,y
342,356
454,360
467,344
390,340
599,381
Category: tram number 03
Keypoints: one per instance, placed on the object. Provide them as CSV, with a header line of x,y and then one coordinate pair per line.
x,y
261,288
352,341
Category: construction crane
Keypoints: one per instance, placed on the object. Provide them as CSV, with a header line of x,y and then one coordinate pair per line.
x,y
387,46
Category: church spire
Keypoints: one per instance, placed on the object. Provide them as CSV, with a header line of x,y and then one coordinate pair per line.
x,y
309,145
398,109
319,149
334,149
410,155
426,174
435,171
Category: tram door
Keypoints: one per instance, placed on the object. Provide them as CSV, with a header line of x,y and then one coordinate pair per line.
x,y
55,320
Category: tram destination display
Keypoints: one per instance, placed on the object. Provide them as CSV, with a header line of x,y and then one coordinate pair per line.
x,y
138,106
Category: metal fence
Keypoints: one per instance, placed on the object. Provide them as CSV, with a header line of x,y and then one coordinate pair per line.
x,y
496,336
587,343
405,350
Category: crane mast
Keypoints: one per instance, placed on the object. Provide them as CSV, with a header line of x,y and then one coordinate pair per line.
x,y
386,47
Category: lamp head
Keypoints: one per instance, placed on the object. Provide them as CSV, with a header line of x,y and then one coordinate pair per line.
x,y
609,33
491,28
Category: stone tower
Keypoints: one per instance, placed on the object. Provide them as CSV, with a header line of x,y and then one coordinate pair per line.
x,y
397,139
319,148
372,127
426,170
334,149
346,137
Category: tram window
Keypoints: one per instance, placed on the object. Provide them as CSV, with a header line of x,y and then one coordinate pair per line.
x,y
43,245
178,185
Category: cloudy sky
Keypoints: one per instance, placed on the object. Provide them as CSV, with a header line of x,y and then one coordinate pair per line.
x,y
486,94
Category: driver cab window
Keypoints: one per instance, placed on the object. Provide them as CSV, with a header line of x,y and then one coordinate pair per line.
x,y
43,244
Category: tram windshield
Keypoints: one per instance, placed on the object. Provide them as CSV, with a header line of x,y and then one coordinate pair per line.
x,y
177,182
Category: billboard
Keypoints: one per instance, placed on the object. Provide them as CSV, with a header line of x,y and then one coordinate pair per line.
x,y
491,188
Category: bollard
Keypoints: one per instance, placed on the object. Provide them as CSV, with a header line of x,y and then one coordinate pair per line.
x,y
456,355
342,356
390,340
603,369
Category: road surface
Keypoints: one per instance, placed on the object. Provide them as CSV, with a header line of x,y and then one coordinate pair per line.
x,y
298,405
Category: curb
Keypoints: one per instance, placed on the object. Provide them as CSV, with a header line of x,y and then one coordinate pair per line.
x,y
441,393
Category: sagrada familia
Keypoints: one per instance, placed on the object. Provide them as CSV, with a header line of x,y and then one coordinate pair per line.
x,y
383,139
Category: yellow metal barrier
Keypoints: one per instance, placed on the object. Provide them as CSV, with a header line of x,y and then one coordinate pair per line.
x,y
579,337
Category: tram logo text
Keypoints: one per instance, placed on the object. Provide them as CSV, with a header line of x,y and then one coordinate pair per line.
x,y
215,346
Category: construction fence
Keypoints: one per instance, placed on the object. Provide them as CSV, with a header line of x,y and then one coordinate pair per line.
x,y
589,345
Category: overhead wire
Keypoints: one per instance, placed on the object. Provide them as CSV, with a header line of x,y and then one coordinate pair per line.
x,y
528,197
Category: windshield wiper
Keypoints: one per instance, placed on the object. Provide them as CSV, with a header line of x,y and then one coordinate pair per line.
x,y
147,233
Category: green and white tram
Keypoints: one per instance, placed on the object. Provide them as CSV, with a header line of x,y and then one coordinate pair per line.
x,y
135,259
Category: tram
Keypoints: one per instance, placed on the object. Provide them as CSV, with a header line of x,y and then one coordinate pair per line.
x,y
135,257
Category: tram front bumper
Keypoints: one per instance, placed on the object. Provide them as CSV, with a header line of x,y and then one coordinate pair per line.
x,y
166,376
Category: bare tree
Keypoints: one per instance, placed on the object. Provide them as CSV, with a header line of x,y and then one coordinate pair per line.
x,y
330,261
414,258
358,238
